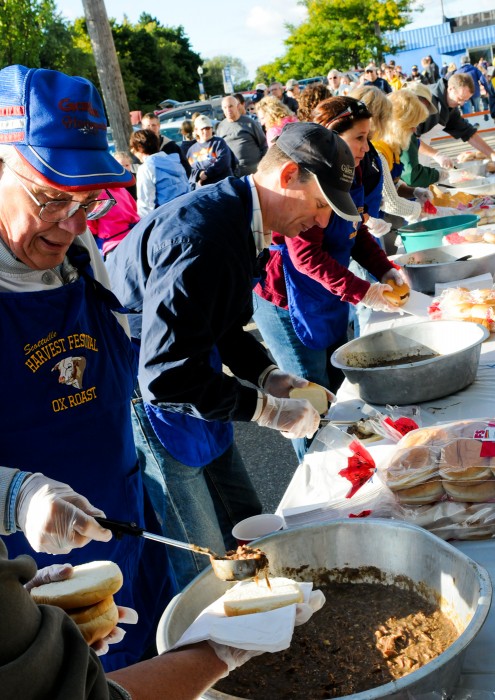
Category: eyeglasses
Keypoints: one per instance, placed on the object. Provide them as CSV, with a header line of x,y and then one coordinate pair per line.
x,y
55,210
354,109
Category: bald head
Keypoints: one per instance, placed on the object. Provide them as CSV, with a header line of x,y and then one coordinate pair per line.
x,y
230,108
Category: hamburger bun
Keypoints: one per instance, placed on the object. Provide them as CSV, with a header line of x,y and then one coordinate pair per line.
x,y
314,393
461,461
470,491
431,437
249,597
428,492
473,235
96,621
399,294
411,467
89,584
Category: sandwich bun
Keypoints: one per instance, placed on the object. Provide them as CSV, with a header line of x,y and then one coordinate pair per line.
x,y
461,461
89,584
473,235
399,294
410,467
425,436
96,621
428,492
470,491
248,597
314,393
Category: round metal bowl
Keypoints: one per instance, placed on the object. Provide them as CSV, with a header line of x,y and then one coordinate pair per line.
x,y
391,551
424,268
387,367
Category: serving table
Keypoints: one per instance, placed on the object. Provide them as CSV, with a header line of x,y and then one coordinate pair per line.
x,y
476,401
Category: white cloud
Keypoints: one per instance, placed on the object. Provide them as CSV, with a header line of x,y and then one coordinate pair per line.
x,y
270,20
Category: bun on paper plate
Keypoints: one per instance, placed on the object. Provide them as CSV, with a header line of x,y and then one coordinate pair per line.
x,y
314,393
399,295
249,597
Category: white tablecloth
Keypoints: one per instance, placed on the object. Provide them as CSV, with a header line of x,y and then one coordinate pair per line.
x,y
476,401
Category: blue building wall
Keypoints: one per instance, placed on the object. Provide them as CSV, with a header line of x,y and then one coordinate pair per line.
x,y
439,42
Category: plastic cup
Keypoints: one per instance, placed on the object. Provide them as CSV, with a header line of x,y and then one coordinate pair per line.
x,y
257,526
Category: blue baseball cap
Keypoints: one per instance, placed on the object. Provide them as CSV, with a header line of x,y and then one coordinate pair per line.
x,y
58,126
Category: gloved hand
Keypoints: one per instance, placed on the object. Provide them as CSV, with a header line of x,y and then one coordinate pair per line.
x,y
375,300
378,227
443,175
393,274
232,656
443,160
55,572
127,616
423,195
279,383
54,518
305,610
295,418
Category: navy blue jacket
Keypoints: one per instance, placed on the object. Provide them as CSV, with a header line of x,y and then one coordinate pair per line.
x,y
188,270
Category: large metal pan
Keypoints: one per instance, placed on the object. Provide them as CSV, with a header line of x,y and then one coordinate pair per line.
x,y
398,550
388,368
424,268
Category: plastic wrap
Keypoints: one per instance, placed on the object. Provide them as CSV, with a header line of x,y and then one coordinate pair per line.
x,y
443,479
461,304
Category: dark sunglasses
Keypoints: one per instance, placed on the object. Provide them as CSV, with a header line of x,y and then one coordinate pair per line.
x,y
370,70
353,110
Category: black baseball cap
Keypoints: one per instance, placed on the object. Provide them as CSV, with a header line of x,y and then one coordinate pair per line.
x,y
328,157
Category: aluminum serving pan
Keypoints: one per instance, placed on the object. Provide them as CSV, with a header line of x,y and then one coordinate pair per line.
x,y
459,585
387,367
424,268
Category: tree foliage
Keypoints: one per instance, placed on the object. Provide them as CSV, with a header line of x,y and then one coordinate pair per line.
x,y
23,28
213,77
338,34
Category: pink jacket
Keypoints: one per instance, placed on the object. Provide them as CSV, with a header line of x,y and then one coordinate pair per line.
x,y
117,222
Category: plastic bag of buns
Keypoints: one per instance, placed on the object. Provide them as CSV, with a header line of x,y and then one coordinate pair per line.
x,y
443,478
462,304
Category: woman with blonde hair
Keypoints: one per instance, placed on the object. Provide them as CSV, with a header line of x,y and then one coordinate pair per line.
x,y
389,140
273,115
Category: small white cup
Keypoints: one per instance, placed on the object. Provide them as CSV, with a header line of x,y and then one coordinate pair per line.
x,y
257,526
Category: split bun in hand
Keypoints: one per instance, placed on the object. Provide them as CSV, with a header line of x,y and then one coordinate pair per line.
x,y
400,293
87,597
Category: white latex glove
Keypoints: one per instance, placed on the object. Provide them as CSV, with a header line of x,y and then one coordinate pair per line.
x,y
393,274
127,616
375,300
56,519
444,175
279,383
378,227
305,610
423,195
61,572
443,160
295,418
231,656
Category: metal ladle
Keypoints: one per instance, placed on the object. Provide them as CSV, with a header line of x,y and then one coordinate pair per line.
x,y
224,567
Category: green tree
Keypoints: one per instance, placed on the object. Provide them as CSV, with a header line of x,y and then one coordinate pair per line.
x,y
338,34
213,77
23,26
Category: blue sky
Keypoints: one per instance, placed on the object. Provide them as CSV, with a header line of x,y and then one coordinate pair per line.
x,y
252,31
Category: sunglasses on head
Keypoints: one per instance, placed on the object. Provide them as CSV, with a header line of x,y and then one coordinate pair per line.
x,y
354,109
370,70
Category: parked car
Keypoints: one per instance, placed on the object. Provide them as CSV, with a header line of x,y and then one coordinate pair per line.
x,y
310,81
211,108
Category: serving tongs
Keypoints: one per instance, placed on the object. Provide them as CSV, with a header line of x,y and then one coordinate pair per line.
x,y
224,568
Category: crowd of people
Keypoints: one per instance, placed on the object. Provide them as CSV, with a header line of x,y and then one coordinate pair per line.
x,y
129,298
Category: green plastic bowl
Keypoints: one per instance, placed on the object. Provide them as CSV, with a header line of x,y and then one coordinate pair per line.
x,y
429,233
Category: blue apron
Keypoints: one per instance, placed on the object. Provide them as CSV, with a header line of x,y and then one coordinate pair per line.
x,y
319,317
70,370
192,441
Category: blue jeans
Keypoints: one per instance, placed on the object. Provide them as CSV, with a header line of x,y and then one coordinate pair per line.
x,y
199,505
291,355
